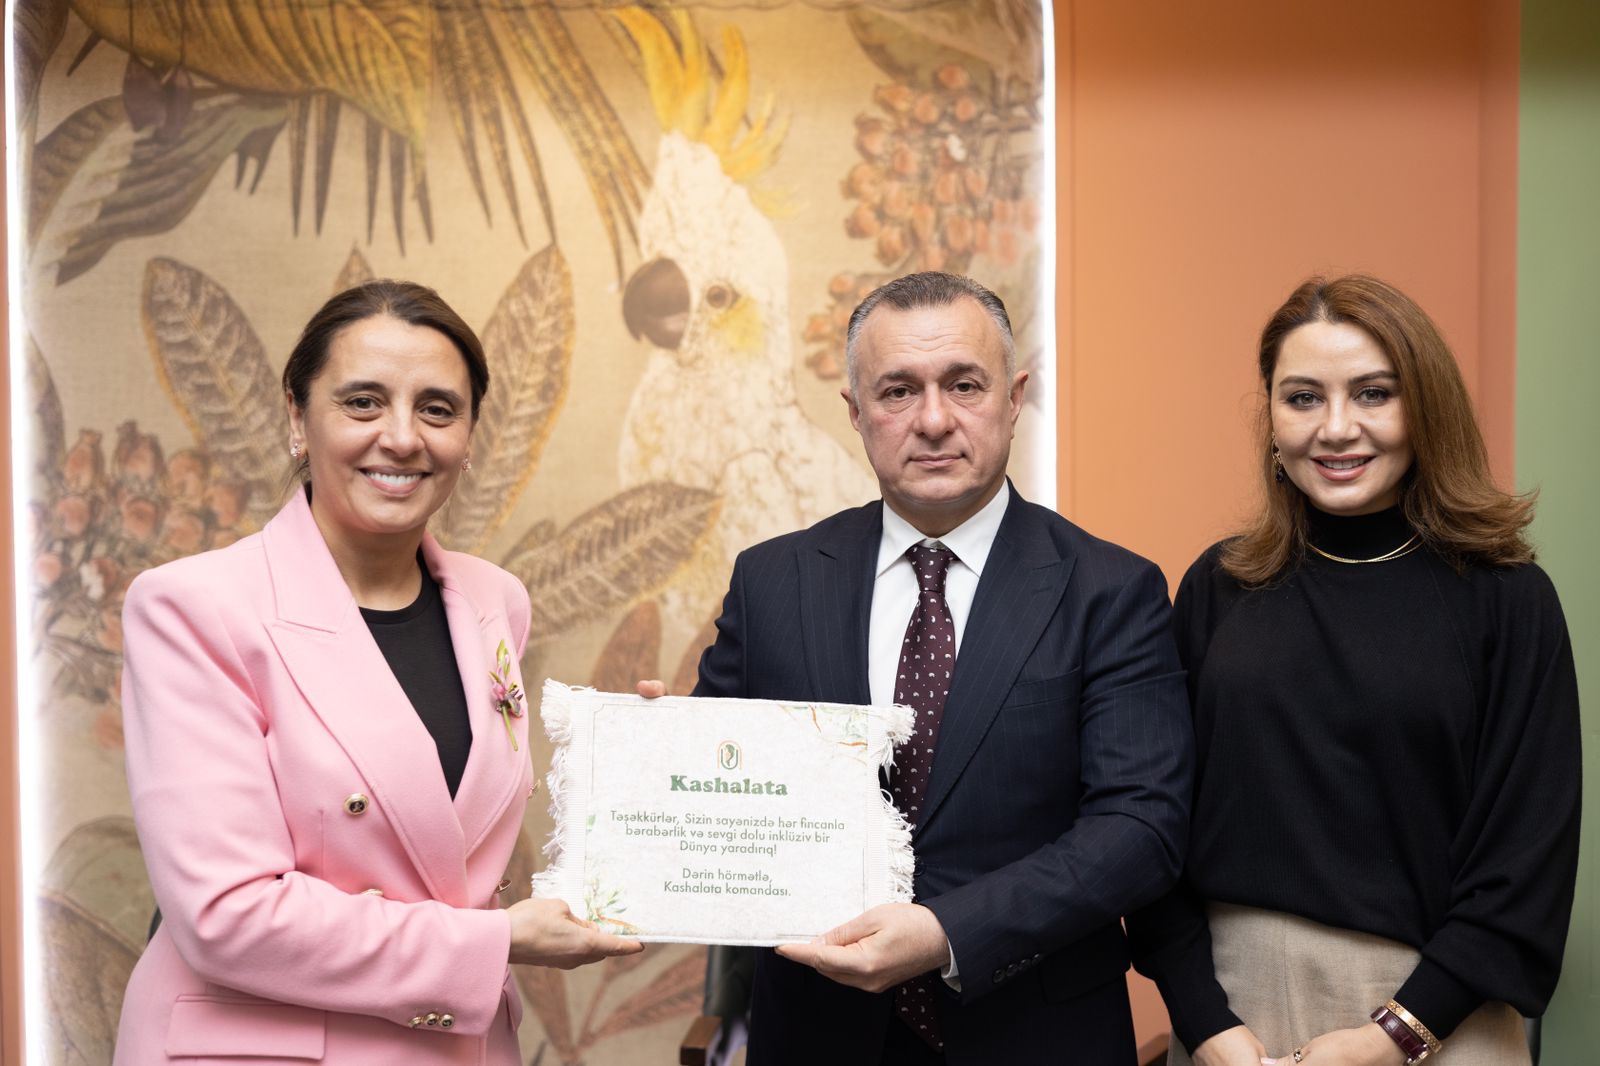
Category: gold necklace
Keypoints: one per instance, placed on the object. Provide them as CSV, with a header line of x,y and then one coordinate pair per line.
x,y
1405,549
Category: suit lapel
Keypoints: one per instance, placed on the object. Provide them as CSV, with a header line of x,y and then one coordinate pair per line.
x,y
1023,581
339,669
836,580
494,769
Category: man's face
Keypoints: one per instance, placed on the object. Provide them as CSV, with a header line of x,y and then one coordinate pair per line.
x,y
935,410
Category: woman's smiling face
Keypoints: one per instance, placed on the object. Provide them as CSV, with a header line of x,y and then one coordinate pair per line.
x,y
385,427
1338,418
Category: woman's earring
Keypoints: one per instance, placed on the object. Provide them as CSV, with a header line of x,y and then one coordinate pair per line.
x,y
1277,462
466,463
294,449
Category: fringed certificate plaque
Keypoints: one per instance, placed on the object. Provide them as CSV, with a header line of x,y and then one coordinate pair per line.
x,y
721,821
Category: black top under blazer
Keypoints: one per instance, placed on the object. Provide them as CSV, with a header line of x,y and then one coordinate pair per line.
x,y
1059,795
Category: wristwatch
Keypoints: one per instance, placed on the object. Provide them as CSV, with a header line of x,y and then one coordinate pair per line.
x,y
1405,1030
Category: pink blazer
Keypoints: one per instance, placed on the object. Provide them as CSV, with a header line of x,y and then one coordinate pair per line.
x,y
324,899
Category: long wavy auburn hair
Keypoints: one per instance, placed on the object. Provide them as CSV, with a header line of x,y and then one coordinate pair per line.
x,y
1448,495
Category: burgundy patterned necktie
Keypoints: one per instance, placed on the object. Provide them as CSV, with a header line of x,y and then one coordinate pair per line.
x,y
927,659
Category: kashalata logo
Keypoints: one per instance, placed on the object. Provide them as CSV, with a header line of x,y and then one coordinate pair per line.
x,y
729,758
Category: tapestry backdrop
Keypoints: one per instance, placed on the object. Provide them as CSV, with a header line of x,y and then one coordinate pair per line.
x,y
658,217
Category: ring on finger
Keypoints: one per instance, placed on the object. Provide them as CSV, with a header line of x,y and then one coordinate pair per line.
x,y
1299,1054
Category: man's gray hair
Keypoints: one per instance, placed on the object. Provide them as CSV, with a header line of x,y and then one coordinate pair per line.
x,y
930,288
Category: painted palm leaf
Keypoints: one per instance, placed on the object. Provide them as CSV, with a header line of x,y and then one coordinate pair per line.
x,y
88,969
59,156
385,58
375,54
627,547
988,37
215,369
477,83
163,180
356,271
634,651
674,992
528,342
36,29
49,427
611,167
94,908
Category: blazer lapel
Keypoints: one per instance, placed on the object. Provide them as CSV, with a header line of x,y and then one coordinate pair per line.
x,y
343,675
1023,581
836,580
494,769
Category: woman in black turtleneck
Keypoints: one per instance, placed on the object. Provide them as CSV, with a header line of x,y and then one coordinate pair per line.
x,y
1386,715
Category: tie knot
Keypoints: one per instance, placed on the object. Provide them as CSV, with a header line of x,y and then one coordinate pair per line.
x,y
930,562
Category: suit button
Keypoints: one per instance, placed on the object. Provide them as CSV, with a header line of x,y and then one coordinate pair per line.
x,y
1011,970
999,975
355,803
431,1019
416,1021
372,891
505,883
446,1020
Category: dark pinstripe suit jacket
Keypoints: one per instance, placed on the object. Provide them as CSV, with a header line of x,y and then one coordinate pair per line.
x,y
1059,794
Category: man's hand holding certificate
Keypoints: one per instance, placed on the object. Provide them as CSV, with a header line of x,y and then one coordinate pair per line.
x,y
722,821
891,943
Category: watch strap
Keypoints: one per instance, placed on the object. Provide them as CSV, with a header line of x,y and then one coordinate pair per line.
x,y
1409,1040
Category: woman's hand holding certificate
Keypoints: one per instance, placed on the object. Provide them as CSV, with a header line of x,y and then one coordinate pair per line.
x,y
545,932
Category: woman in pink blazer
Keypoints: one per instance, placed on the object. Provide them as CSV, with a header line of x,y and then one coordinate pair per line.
x,y
326,739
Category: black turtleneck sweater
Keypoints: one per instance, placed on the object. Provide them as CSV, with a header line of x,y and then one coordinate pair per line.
x,y
1390,748
415,640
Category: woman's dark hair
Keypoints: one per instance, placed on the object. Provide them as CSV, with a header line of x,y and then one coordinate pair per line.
x,y
1448,495
414,304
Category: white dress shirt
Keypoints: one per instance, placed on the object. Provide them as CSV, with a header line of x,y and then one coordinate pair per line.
x,y
894,597
894,592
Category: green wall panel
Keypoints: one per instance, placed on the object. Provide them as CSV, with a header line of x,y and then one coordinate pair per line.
x,y
1558,416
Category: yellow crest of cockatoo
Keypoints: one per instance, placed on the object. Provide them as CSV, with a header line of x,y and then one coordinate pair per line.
x,y
679,78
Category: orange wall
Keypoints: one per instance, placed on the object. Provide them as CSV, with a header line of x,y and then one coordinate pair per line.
x,y
1211,156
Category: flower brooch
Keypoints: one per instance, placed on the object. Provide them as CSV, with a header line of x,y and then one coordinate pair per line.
x,y
508,697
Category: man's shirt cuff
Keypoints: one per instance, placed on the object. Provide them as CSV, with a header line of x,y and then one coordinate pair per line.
x,y
952,972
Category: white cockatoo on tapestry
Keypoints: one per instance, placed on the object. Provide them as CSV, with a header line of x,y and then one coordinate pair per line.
x,y
716,407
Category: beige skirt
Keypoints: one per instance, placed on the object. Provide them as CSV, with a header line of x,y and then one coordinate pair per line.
x,y
1291,979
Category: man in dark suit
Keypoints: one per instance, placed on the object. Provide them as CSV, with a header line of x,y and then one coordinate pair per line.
x,y
1048,780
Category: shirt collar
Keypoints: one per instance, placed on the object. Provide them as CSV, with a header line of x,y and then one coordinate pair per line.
x,y
970,541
